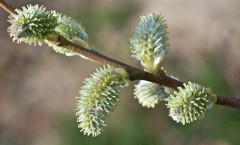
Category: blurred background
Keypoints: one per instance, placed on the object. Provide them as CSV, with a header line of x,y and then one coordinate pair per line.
x,y
38,86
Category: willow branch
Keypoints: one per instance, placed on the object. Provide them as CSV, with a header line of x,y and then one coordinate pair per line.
x,y
135,74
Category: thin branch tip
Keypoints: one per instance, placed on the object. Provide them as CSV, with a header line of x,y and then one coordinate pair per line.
x,y
7,7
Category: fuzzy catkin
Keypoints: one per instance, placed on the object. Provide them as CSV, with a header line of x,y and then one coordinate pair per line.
x,y
149,94
149,41
98,97
32,24
71,30
190,103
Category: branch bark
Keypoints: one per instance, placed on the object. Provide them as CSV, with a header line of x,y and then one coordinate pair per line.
x,y
7,7
135,74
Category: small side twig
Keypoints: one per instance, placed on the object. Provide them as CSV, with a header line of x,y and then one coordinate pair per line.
x,y
7,7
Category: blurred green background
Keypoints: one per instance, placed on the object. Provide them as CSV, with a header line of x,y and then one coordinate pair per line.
x,y
38,86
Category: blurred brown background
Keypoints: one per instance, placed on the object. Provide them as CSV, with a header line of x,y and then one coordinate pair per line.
x,y
38,86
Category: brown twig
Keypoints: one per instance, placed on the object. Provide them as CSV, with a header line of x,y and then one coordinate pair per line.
x,y
7,7
230,101
135,74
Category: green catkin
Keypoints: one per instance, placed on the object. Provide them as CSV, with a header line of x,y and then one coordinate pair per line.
x,y
98,97
72,31
32,24
149,41
190,103
149,94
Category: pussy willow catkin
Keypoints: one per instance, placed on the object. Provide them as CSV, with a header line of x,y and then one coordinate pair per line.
x,y
148,93
72,31
149,41
32,24
98,97
190,103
